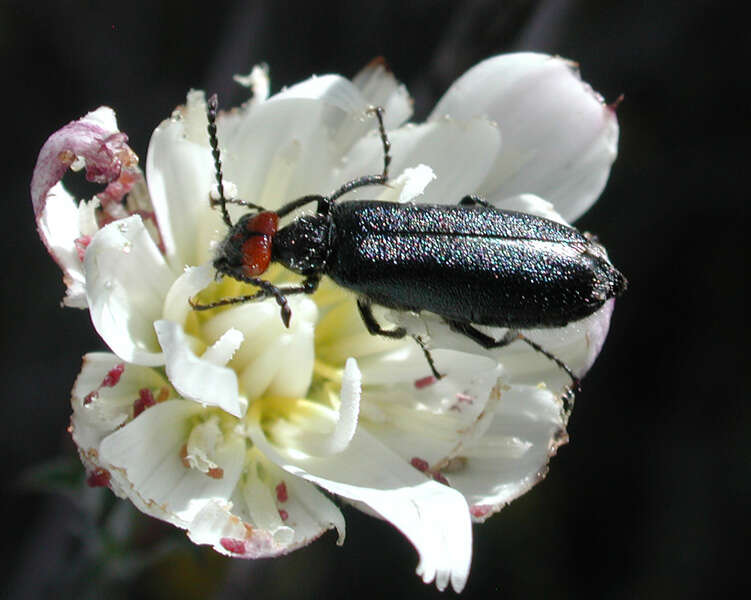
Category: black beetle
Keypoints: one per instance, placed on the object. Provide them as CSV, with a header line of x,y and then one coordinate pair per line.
x,y
470,263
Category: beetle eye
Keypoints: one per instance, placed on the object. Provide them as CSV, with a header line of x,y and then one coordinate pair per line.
x,y
256,253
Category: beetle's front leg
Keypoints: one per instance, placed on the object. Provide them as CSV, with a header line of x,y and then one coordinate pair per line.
x,y
268,290
374,328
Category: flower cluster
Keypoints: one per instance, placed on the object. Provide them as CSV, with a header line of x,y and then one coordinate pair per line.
x,y
231,426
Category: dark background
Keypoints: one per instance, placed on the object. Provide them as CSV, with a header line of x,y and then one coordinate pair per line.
x,y
651,496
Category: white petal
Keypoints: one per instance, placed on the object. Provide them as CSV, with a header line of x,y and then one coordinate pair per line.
x,y
559,138
524,430
379,86
413,183
424,419
126,283
145,456
333,89
287,147
193,280
459,153
59,229
180,173
263,361
432,516
533,205
96,415
197,378
258,82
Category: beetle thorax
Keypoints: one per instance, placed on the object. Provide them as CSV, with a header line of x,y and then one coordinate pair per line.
x,y
304,245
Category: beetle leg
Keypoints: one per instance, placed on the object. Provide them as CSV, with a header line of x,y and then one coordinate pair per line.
x,y
512,335
487,342
472,200
374,328
428,356
268,290
370,179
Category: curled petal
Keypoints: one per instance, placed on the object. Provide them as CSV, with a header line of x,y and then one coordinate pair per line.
x,y
203,379
559,137
127,280
94,139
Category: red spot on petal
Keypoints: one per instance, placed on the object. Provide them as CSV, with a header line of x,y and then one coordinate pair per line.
x,y
281,492
113,376
87,399
144,401
464,398
215,473
184,456
233,545
480,510
438,476
425,382
283,514
420,464
98,478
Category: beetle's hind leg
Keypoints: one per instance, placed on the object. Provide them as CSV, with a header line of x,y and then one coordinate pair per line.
x,y
512,335
374,328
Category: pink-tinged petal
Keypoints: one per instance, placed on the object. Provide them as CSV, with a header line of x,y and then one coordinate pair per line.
x,y
127,280
434,517
94,142
203,379
180,173
559,137
460,154
379,86
524,429
145,458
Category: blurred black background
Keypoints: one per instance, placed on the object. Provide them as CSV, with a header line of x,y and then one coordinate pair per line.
x,y
651,496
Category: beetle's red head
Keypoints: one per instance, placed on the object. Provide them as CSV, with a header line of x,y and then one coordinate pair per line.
x,y
246,251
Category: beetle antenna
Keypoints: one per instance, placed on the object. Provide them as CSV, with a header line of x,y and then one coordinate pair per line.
x,y
213,104
378,112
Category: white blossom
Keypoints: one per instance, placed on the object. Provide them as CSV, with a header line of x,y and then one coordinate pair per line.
x,y
229,425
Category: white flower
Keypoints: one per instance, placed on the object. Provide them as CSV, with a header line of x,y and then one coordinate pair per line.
x,y
227,424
